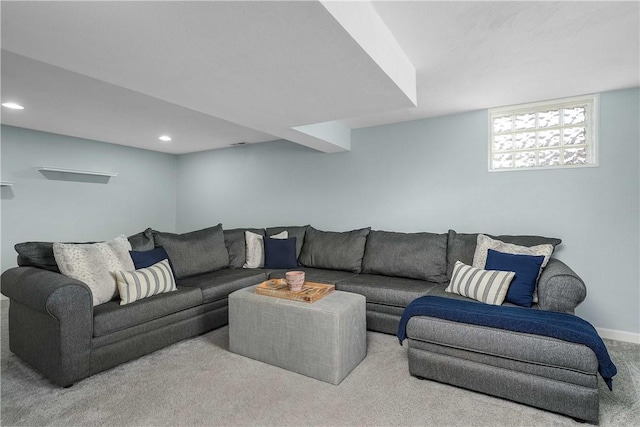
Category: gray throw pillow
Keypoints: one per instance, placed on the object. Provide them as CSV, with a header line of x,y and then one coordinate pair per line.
x,y
37,254
413,255
234,240
293,231
334,251
40,254
142,241
462,247
196,252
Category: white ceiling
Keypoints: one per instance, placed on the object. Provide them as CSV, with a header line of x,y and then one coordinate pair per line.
x,y
211,74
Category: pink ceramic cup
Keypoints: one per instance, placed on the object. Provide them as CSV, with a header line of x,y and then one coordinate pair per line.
x,y
295,280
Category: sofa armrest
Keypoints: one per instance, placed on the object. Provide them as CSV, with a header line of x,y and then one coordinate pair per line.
x,y
560,288
42,290
50,322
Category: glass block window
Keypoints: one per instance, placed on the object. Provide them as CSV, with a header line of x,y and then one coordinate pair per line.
x,y
554,134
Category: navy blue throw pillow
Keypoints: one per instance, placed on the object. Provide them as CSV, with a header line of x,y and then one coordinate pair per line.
x,y
280,253
144,259
526,267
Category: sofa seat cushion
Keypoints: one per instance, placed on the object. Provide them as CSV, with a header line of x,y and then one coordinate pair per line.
x,y
386,309
439,291
112,317
394,291
412,255
217,285
156,326
318,275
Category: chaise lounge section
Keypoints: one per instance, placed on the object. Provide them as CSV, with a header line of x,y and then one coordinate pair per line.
x,y
539,371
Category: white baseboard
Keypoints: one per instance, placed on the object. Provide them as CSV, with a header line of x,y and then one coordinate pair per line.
x,y
613,334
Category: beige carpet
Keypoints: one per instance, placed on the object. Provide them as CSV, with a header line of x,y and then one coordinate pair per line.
x,y
199,382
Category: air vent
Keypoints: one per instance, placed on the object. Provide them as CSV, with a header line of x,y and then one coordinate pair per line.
x,y
235,144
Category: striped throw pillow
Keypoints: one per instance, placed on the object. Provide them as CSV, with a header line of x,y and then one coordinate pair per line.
x,y
145,282
488,286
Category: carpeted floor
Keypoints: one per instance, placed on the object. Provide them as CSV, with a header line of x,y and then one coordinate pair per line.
x,y
199,382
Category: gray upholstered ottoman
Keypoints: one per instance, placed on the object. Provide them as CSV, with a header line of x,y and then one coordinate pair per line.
x,y
539,371
323,340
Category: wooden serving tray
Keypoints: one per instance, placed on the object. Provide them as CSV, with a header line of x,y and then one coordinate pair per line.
x,y
311,291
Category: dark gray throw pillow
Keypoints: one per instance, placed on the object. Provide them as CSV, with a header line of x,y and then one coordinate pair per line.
x,y
294,231
40,254
236,245
196,252
412,255
462,246
142,241
37,254
334,251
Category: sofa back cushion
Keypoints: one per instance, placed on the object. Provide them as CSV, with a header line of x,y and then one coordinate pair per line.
x,y
462,246
412,255
40,254
334,251
234,240
292,231
196,252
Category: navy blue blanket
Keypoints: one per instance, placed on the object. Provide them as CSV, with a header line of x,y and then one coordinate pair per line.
x,y
563,326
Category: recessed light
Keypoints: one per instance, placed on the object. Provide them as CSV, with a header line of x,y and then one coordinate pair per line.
x,y
13,105
165,138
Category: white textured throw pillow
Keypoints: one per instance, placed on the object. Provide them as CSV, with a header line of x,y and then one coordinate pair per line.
x,y
484,243
145,282
254,249
95,264
488,286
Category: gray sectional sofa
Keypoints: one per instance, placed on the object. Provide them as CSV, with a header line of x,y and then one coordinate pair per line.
x,y
54,326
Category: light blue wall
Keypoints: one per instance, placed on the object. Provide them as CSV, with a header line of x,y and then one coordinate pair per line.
x,y
431,175
425,175
35,208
